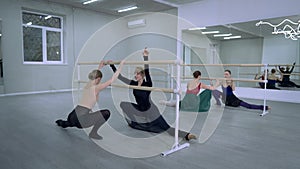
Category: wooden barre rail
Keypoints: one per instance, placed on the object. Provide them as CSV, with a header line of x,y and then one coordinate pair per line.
x,y
295,74
283,65
237,65
166,90
240,65
175,62
132,62
234,79
156,89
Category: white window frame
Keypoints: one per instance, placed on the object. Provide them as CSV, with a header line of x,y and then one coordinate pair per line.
x,y
44,40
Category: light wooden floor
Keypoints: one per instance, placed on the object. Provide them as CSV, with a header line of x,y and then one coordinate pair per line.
x,y
243,140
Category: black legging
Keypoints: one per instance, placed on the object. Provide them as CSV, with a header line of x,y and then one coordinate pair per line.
x,y
288,84
154,120
269,86
81,117
132,109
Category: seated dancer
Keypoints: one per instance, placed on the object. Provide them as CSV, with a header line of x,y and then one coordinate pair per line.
x,y
81,116
262,77
286,73
193,101
144,107
228,96
272,79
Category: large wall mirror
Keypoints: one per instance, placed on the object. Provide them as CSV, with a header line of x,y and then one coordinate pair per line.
x,y
1,60
274,41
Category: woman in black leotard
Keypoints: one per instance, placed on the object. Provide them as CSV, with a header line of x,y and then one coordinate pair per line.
x,y
286,73
144,107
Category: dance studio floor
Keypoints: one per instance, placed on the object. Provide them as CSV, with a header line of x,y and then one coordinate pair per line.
x,y
30,139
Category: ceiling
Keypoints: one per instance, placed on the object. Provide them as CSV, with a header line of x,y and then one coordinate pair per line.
x,y
248,30
245,30
111,6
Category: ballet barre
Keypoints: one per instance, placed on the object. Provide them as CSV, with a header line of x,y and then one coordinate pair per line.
x,y
156,89
283,65
236,65
234,79
241,65
132,62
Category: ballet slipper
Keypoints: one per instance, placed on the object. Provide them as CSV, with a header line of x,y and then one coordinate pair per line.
x,y
190,136
60,123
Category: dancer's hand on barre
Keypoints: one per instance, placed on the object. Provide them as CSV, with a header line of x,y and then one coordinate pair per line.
x,y
217,84
217,81
229,82
122,63
116,74
101,64
109,62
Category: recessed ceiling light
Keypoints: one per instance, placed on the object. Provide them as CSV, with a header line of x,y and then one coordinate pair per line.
x,y
232,37
48,17
88,2
222,35
128,9
210,32
196,28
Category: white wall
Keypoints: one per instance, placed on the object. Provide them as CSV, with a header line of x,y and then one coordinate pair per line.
x,y
79,27
199,46
278,50
26,78
241,51
117,42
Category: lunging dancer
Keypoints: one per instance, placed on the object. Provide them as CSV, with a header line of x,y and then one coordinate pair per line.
x,y
81,116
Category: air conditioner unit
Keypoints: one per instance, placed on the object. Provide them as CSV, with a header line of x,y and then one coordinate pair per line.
x,y
136,23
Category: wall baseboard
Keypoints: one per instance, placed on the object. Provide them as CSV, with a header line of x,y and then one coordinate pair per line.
x,y
273,95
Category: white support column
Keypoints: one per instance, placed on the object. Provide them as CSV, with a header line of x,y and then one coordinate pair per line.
x,y
177,146
78,79
265,90
172,81
238,76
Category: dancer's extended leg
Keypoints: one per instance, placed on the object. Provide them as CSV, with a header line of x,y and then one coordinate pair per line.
x,y
253,106
217,95
95,119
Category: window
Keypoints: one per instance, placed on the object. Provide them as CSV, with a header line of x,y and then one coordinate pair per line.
x,y
42,38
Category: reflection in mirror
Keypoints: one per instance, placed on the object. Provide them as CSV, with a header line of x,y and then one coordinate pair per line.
x,y
272,41
1,60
